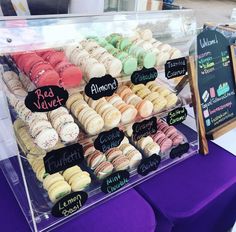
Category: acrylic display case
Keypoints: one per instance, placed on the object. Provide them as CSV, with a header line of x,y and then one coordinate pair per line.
x,y
78,125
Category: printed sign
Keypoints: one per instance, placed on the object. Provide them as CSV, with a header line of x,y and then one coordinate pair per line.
x,y
101,87
144,76
179,150
63,158
176,116
69,204
144,128
46,98
176,68
115,181
215,79
109,139
148,165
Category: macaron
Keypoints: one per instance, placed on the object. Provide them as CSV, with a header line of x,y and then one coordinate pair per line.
x,y
103,170
47,138
69,172
144,108
73,98
126,148
142,143
113,153
151,148
134,157
171,100
68,131
88,149
120,163
80,181
95,159
165,144
169,130
58,190
70,75
176,139
128,114
158,136
51,179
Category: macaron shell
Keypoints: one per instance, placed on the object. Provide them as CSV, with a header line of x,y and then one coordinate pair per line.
x,y
50,77
71,77
144,108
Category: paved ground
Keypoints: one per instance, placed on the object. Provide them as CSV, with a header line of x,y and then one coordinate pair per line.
x,y
210,10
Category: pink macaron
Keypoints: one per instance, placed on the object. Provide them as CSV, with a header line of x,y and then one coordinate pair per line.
x,y
176,139
165,144
169,130
158,136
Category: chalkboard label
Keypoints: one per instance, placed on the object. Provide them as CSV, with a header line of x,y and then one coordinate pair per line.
x,y
148,165
215,79
144,128
69,204
115,181
176,68
179,150
63,158
46,98
144,76
101,87
109,139
176,116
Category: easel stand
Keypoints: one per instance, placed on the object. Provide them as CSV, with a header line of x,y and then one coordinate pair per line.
x,y
219,131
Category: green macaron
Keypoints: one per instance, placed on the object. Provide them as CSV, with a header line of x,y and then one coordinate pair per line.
x,y
130,65
123,43
147,59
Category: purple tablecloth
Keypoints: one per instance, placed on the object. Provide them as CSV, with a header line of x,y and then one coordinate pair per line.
x,y
197,195
128,212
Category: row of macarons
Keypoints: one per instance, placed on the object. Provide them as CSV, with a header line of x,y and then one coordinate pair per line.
x,y
47,129
162,141
48,67
117,54
123,157
95,57
61,183
122,107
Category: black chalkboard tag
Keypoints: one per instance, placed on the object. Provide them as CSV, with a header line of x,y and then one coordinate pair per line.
x,y
46,98
115,181
143,76
148,165
99,87
109,139
63,158
179,150
176,68
176,116
69,204
144,128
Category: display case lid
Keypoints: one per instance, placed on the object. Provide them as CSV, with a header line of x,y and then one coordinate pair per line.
x,y
38,32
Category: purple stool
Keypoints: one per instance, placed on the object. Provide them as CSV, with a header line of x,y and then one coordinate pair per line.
x,y
128,212
196,195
